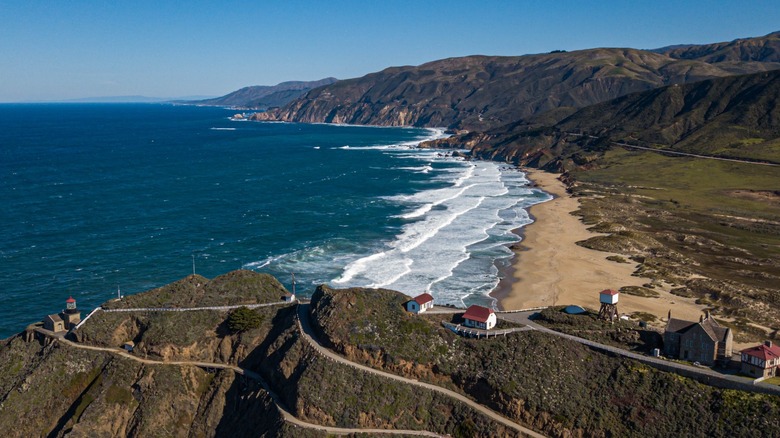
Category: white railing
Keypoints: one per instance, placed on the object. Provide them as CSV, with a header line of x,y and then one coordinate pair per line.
x,y
85,319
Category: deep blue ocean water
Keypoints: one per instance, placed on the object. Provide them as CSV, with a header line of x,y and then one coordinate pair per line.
x,y
100,196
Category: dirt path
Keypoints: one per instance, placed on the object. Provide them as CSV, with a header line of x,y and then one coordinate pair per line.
x,y
304,325
287,415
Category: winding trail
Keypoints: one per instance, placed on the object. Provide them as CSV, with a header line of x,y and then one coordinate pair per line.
x,y
304,324
286,414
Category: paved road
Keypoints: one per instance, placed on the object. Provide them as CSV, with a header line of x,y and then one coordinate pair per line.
x,y
709,157
304,324
523,318
287,415
664,151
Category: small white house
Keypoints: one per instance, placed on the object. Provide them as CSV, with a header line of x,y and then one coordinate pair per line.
x,y
420,303
289,298
479,317
609,296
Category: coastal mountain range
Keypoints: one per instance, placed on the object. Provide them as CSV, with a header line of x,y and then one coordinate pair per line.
x,y
484,92
264,96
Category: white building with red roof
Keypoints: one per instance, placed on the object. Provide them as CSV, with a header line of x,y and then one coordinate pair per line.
x,y
479,317
420,303
609,296
761,361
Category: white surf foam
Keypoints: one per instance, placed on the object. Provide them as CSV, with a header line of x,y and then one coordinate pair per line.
x,y
455,235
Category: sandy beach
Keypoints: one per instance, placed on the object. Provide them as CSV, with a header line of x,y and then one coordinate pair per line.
x,y
549,268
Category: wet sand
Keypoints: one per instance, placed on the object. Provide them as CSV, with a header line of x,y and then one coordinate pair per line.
x,y
549,268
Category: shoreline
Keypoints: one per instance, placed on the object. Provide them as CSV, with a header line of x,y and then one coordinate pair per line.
x,y
548,267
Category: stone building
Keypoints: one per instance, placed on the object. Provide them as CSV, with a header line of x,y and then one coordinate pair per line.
x,y
705,341
65,320
53,323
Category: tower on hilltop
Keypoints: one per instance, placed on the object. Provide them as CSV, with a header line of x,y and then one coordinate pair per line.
x,y
609,299
71,316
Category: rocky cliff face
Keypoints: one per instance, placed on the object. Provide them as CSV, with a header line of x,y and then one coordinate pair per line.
x,y
61,391
483,92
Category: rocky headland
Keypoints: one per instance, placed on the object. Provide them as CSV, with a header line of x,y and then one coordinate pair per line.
x,y
190,374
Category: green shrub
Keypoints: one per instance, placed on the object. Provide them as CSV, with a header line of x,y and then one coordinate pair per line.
x,y
243,319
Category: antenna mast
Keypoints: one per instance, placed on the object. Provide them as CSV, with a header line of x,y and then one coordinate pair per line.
x,y
293,283
193,264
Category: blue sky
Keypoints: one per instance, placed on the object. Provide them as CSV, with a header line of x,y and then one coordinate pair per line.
x,y
70,49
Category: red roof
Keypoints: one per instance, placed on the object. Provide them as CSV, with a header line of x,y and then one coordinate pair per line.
x,y
609,292
763,352
477,313
70,300
424,298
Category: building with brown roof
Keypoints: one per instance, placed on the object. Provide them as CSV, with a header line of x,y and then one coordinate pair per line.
x,y
53,323
479,317
705,341
761,361
420,303
65,320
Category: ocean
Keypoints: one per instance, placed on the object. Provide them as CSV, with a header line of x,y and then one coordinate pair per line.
x,y
100,197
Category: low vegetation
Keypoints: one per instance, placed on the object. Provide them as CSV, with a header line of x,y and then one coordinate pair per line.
x,y
718,247
552,384
233,288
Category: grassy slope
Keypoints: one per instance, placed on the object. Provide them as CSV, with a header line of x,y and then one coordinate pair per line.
x,y
702,217
551,383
